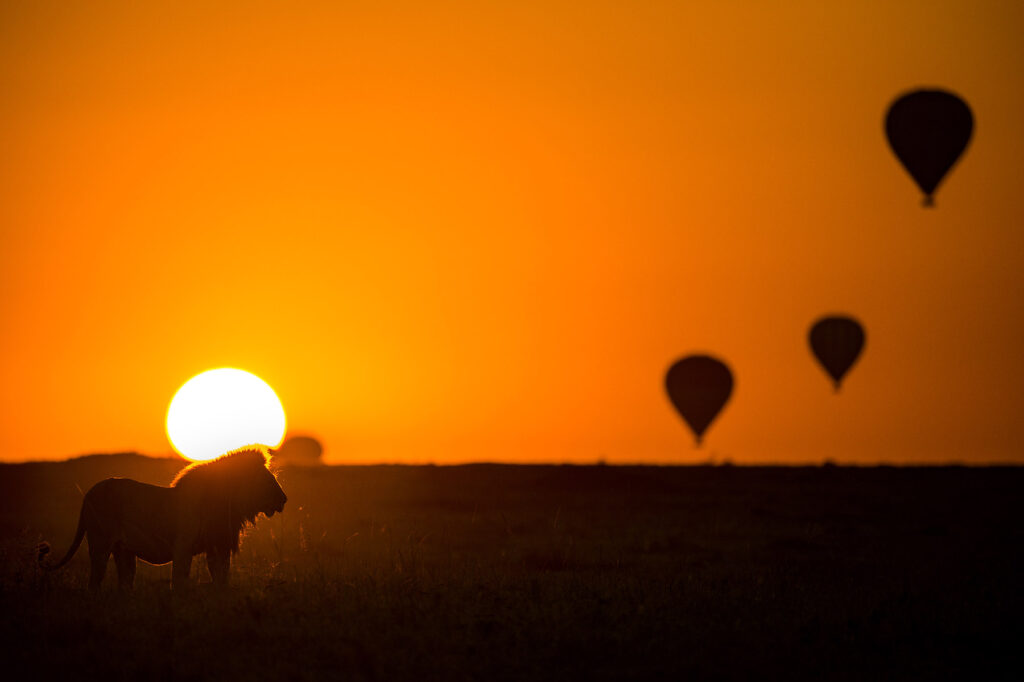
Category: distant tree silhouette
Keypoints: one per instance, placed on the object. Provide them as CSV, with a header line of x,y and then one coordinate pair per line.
x,y
299,451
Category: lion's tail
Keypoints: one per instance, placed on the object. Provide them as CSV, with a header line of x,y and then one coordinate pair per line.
x,y
44,547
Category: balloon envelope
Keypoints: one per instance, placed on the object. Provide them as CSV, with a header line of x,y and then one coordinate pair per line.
x,y
928,130
837,342
698,386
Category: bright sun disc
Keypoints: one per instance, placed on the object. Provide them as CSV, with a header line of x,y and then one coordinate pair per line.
x,y
223,409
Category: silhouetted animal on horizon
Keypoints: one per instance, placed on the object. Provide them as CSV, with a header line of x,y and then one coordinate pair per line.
x,y
204,510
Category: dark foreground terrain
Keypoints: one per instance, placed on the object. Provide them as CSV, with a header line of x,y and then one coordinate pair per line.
x,y
545,573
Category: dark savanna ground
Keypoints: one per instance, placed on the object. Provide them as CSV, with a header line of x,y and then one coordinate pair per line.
x,y
546,572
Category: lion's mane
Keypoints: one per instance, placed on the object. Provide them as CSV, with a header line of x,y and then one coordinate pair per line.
x,y
229,492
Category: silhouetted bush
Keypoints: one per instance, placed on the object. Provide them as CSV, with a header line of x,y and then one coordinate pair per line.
x,y
299,451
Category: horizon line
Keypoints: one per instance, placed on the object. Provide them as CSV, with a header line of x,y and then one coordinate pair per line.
x,y
601,462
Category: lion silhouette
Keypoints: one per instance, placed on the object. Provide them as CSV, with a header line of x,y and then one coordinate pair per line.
x,y
203,511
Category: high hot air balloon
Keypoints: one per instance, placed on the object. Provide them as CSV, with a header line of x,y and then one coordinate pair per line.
x,y
698,386
928,130
837,342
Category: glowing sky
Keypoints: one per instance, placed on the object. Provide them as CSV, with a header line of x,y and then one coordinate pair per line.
x,y
458,231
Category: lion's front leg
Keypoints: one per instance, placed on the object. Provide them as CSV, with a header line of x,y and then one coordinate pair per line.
x,y
181,566
186,532
219,563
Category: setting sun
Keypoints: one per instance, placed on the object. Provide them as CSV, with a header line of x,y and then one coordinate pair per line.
x,y
223,409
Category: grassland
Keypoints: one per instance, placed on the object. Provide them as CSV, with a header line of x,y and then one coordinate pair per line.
x,y
545,573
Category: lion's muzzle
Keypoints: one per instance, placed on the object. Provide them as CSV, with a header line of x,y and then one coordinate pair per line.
x,y
278,507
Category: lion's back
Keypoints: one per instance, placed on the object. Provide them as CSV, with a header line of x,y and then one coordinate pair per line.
x,y
128,496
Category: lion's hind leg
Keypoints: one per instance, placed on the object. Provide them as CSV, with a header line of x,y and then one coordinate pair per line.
x,y
125,562
99,556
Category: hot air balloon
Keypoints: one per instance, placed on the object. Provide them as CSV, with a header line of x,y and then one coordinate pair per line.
x,y
698,386
837,342
928,130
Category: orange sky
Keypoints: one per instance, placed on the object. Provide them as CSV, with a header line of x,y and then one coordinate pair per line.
x,y
483,231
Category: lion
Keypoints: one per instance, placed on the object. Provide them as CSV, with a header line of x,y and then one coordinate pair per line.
x,y
203,511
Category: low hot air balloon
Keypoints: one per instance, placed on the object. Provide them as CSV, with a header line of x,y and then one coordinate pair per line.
x,y
698,386
837,342
928,130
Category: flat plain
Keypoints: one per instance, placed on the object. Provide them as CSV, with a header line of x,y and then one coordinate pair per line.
x,y
499,572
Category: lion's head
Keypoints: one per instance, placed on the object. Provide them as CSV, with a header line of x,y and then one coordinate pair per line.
x,y
230,492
